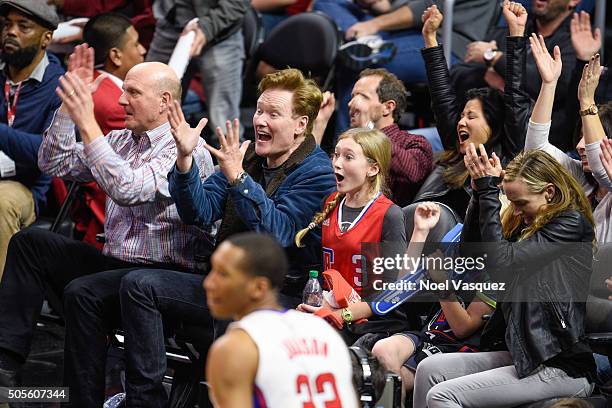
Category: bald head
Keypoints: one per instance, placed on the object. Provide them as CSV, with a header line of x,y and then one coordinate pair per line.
x,y
149,89
159,76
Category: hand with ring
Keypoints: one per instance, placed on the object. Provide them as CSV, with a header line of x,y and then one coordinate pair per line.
x,y
480,165
77,102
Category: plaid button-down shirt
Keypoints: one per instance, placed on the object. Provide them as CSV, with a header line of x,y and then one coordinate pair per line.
x,y
142,224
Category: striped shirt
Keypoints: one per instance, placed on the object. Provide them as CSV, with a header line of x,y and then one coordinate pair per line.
x,y
142,224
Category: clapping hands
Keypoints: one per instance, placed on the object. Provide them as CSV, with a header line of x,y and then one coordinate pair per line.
x,y
480,165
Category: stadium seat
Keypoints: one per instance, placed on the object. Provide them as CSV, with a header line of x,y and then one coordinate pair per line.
x,y
306,41
448,219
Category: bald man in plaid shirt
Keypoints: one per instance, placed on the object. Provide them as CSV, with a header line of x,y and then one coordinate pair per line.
x,y
142,224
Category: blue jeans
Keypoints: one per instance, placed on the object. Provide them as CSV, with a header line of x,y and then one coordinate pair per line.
x,y
604,370
152,301
407,64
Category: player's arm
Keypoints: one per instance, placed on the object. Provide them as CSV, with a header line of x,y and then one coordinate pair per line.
x,y
231,369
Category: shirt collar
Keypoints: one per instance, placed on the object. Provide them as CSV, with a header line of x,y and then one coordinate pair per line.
x,y
37,74
154,135
116,80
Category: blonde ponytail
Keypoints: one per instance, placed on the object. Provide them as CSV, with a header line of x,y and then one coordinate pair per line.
x,y
317,219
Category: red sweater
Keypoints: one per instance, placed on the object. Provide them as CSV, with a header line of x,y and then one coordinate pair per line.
x,y
411,163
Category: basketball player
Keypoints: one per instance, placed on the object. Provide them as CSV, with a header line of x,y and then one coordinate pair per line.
x,y
269,357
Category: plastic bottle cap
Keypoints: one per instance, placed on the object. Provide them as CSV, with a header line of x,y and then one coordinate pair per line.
x,y
313,274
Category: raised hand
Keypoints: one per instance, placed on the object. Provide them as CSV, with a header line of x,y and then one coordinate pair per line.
x,y
549,67
200,38
432,19
585,43
426,216
588,82
231,152
78,103
81,63
606,155
185,137
516,17
327,108
481,165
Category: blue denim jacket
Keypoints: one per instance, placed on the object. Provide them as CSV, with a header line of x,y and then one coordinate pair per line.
x,y
308,179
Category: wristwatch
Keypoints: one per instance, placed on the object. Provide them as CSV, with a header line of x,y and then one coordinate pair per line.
x,y
591,110
347,315
239,179
489,56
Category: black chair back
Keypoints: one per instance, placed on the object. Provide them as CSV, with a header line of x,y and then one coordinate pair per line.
x,y
448,219
306,41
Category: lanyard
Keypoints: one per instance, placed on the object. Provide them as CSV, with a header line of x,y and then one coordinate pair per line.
x,y
361,214
11,110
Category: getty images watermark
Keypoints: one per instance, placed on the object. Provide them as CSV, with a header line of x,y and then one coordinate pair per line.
x,y
492,268
450,271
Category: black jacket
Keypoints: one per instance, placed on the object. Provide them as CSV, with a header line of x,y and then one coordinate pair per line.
x,y
542,310
466,75
447,110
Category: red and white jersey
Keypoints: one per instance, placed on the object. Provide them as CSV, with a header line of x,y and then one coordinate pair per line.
x,y
342,250
303,362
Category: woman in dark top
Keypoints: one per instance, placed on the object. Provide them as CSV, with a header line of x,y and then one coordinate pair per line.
x,y
499,121
542,246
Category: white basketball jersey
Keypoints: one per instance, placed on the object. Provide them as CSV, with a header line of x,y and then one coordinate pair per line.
x,y
303,362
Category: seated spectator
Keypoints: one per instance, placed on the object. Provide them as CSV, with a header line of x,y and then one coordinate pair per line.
x,y
142,225
358,211
535,338
30,76
356,312
485,62
588,171
378,101
218,49
268,349
275,186
488,117
116,50
397,21
454,327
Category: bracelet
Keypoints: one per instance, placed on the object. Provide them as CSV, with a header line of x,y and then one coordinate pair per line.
x,y
239,179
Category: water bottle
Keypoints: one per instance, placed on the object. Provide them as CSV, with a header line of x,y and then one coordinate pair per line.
x,y
312,295
116,401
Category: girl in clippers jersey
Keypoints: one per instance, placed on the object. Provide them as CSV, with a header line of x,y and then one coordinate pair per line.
x,y
359,212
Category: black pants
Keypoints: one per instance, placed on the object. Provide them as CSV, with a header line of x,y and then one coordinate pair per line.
x,y
42,264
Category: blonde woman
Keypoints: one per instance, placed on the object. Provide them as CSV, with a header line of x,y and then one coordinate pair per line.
x,y
535,336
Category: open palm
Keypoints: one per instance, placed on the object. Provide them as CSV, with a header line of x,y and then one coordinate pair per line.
x,y
549,67
81,64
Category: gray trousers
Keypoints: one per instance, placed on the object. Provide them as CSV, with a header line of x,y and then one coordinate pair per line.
x,y
488,380
220,66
